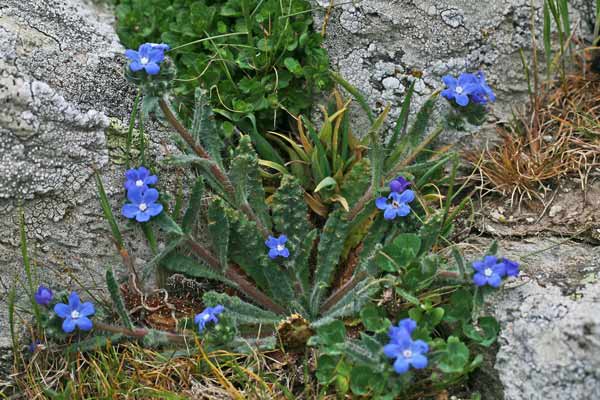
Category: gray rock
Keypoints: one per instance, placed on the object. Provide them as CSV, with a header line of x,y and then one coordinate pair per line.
x,y
550,322
371,41
61,88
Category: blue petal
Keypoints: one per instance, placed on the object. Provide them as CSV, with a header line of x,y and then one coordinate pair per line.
x,y
479,279
145,49
199,317
409,324
462,99
478,266
271,242
151,180
284,253
281,239
74,301
131,174
495,280
68,325
381,203
154,209
157,55
499,269
420,346
406,197
392,350
448,94
132,55
142,217
403,210
62,310
150,196
152,68
84,323
466,79
129,210
142,173
419,361
450,81
135,66
489,261
218,309
389,213
134,195
401,365
273,253
87,309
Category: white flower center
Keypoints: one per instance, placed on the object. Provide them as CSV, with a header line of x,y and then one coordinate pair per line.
x,y
459,89
280,247
395,204
75,314
206,317
144,60
143,207
488,272
139,183
407,353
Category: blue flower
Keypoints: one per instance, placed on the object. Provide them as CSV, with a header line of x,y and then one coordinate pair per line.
x,y
143,204
75,314
139,178
482,93
398,206
488,271
147,57
511,267
208,315
33,346
404,349
460,89
399,184
43,296
277,247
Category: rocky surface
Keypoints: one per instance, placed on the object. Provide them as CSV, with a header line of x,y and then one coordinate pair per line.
x,y
61,89
382,46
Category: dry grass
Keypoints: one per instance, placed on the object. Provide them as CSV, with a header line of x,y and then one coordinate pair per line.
x,y
128,371
556,135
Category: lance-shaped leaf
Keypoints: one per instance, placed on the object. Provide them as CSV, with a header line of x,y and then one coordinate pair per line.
x,y
149,268
376,150
204,127
330,248
243,312
195,204
350,304
218,227
117,299
290,213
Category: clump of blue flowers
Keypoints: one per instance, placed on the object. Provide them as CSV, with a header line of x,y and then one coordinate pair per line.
x,y
277,247
143,199
148,57
43,296
491,270
75,314
407,352
395,204
468,88
208,315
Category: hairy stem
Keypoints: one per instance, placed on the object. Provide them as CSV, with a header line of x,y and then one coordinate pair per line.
x,y
341,292
217,172
248,288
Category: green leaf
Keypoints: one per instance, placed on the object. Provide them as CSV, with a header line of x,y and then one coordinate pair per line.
x,y
329,250
117,299
373,318
402,121
150,267
455,357
107,210
400,253
293,66
166,223
376,150
241,311
351,303
327,182
218,228
195,204
355,93
356,181
204,128
487,334
493,249
332,333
